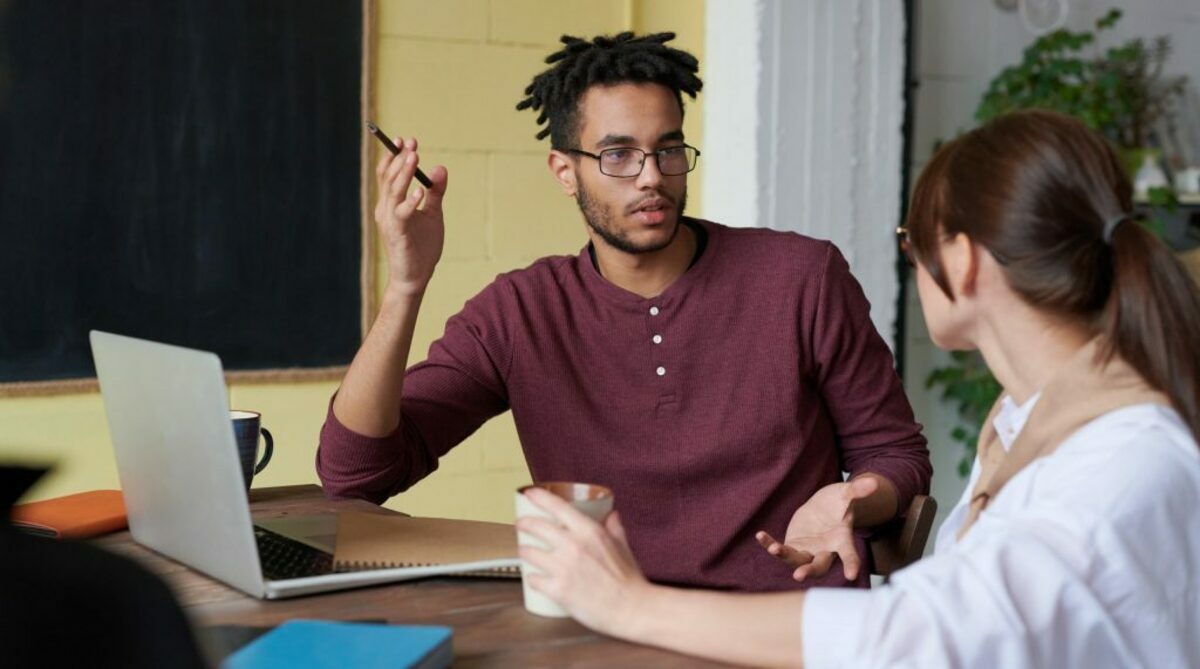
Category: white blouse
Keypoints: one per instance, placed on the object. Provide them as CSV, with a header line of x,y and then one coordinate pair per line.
x,y
1089,557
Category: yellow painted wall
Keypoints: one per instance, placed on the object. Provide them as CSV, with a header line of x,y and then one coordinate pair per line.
x,y
450,72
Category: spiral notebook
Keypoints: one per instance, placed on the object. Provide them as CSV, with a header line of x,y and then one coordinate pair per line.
x,y
377,541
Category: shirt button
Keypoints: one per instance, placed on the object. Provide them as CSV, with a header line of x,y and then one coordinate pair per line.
x,y
657,339
653,311
661,371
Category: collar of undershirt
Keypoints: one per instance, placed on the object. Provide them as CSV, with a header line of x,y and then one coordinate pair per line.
x,y
696,228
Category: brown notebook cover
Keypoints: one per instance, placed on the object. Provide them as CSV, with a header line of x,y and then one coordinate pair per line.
x,y
78,516
378,541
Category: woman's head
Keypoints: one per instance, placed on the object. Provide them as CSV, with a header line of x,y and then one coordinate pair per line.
x,y
1035,190
1046,199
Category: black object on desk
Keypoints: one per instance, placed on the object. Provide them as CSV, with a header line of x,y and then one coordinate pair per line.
x,y
73,604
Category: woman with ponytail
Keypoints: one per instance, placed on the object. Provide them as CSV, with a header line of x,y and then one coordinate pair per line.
x,y
1077,540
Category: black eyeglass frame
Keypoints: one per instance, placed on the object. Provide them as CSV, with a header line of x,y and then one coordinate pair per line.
x,y
905,246
642,165
906,249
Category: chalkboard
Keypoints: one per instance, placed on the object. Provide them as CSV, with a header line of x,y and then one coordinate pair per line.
x,y
186,171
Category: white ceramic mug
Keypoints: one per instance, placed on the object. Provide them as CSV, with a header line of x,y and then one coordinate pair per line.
x,y
593,500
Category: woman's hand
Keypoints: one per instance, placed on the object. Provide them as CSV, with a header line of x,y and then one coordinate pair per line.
x,y
589,569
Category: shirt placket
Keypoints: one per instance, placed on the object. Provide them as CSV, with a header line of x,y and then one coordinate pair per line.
x,y
657,320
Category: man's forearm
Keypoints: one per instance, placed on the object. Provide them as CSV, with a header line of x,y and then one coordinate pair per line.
x,y
368,401
878,507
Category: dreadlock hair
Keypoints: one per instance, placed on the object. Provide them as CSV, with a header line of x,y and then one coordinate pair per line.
x,y
605,60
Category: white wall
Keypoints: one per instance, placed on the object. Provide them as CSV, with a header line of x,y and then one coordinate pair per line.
x,y
803,127
961,45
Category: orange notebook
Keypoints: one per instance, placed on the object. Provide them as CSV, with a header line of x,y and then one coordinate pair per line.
x,y
84,514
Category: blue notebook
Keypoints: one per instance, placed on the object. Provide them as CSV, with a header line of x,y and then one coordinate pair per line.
x,y
319,644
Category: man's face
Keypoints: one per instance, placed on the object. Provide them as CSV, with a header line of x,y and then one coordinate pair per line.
x,y
632,214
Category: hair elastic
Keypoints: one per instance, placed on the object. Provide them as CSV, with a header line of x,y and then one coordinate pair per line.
x,y
1111,224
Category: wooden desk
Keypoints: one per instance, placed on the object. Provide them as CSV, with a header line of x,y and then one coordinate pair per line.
x,y
491,627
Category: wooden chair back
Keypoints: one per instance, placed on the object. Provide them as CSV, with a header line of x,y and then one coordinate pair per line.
x,y
903,541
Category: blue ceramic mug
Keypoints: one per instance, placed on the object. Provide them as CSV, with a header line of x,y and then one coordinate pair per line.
x,y
246,427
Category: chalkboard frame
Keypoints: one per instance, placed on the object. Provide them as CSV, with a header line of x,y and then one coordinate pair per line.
x,y
367,274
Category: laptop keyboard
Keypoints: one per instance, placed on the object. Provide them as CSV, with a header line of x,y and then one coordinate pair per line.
x,y
284,558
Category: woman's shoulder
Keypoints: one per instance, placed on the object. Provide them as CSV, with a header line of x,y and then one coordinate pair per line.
x,y
1121,489
1125,464
1147,429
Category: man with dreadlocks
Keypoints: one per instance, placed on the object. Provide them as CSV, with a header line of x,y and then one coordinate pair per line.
x,y
719,380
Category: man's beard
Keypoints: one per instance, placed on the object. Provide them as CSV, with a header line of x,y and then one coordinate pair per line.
x,y
600,218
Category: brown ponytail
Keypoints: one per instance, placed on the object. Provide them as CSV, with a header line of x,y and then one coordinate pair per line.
x,y
1041,192
1152,318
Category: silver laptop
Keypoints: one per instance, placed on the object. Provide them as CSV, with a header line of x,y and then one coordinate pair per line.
x,y
168,416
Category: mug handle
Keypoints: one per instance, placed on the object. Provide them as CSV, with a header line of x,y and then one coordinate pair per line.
x,y
267,451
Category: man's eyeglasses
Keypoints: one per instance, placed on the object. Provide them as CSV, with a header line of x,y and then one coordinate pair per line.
x,y
905,245
625,162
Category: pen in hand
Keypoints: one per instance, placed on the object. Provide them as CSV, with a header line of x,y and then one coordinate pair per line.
x,y
395,151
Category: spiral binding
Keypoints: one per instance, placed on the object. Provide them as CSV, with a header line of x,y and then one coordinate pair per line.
x,y
369,565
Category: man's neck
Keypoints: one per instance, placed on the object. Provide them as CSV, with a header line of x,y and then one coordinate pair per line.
x,y
647,274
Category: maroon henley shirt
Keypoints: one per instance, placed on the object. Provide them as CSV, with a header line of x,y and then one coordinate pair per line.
x,y
712,411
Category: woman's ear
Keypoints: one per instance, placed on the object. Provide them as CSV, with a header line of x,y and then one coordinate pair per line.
x,y
562,167
960,258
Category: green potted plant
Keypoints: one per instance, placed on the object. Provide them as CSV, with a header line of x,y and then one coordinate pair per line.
x,y
1120,92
